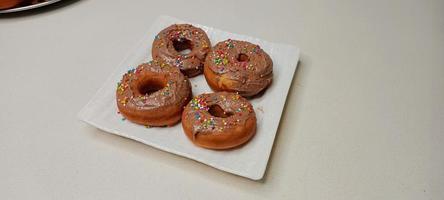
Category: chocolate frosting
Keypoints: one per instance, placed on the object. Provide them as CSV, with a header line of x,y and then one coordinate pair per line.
x,y
246,64
175,91
237,109
191,37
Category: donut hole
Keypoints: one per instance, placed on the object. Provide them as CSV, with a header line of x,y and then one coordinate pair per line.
x,y
217,111
150,86
182,46
242,57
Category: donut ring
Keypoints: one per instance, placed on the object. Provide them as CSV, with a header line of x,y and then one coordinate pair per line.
x,y
153,94
238,66
219,120
170,45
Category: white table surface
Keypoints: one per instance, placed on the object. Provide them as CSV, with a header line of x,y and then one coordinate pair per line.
x,y
364,118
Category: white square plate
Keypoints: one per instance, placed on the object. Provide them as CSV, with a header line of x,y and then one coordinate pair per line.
x,y
248,161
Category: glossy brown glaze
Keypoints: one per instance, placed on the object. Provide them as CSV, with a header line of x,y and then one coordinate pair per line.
x,y
219,120
153,94
170,43
238,66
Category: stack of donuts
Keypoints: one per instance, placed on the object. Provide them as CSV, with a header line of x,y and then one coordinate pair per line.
x,y
158,93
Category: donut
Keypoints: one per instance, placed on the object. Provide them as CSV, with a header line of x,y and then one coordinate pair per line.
x,y
183,46
6,4
238,66
219,120
153,94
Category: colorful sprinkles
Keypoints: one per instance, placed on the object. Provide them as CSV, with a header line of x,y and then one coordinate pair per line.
x,y
128,77
222,56
229,43
164,47
205,123
198,103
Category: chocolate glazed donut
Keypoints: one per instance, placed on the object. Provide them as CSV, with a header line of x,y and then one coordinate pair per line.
x,y
183,46
219,120
238,66
153,94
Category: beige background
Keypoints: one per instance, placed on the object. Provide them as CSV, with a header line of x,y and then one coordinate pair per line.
x,y
364,118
